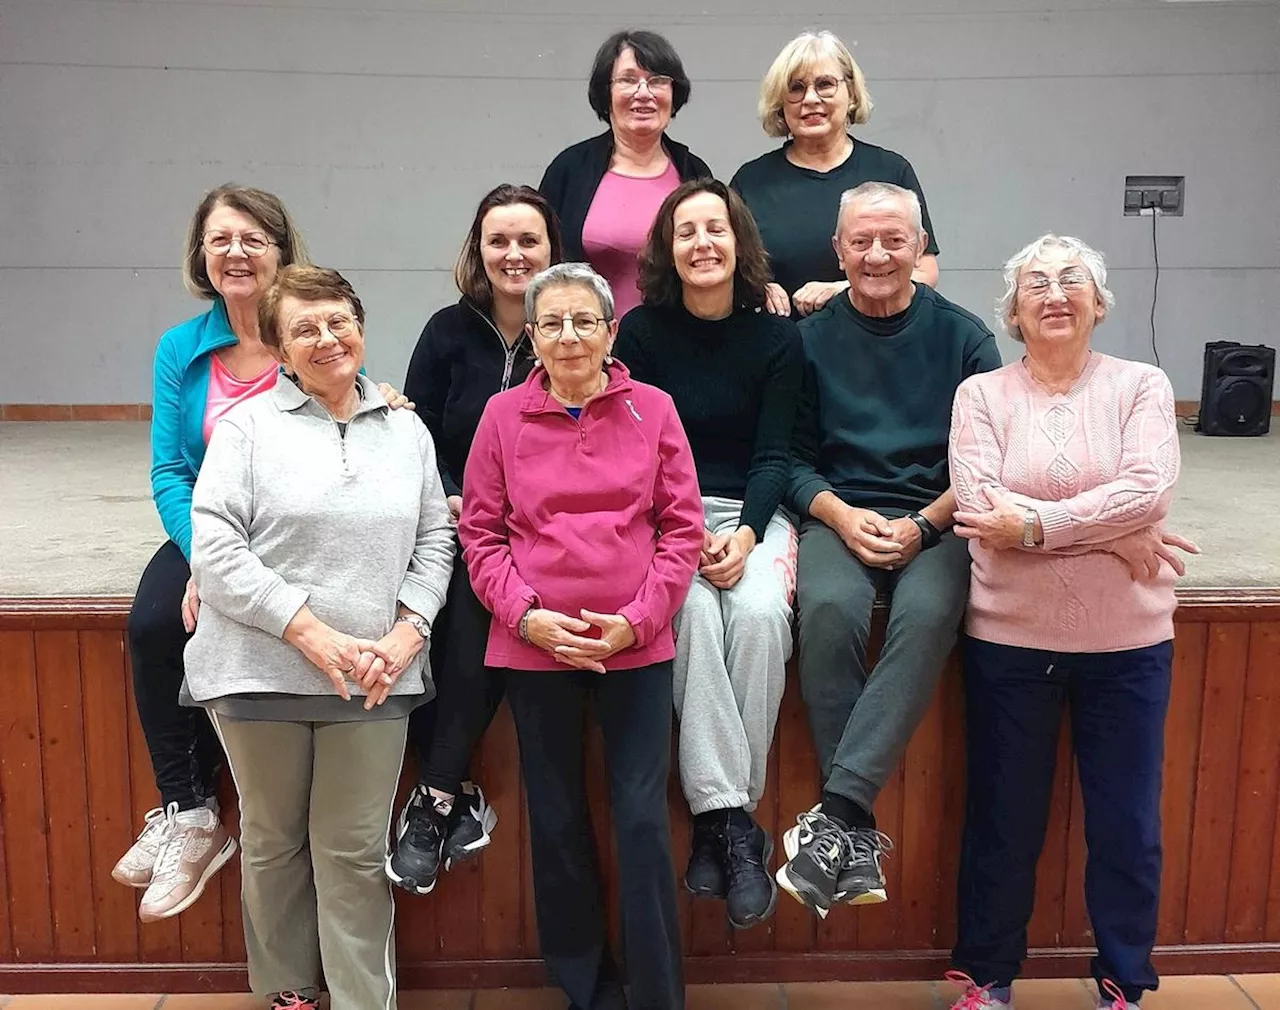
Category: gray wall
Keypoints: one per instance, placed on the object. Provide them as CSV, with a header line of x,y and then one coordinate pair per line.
x,y
382,124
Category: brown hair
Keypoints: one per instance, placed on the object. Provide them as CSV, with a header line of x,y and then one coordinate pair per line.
x,y
263,207
469,273
660,283
307,284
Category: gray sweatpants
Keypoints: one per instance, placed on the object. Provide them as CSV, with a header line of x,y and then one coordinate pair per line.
x,y
732,648
861,723
315,809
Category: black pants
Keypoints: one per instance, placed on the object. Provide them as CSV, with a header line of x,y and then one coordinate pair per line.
x,y
1014,700
446,732
634,711
185,753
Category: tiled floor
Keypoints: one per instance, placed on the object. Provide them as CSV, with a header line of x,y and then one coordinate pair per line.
x,y
1200,992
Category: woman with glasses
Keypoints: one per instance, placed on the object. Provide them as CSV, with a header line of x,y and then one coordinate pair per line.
x,y
237,240
813,93
1063,466
606,190
581,528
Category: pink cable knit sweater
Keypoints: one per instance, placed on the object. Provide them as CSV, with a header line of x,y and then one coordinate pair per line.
x,y
1096,463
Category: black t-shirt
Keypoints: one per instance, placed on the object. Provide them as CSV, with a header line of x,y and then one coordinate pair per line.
x,y
795,208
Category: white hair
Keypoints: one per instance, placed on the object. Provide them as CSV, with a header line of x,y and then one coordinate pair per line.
x,y
564,274
875,192
1088,256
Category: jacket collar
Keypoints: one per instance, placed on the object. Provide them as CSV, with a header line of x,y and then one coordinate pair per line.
x,y
287,395
216,331
602,148
537,399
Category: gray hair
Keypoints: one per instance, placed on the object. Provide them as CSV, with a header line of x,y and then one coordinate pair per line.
x,y
563,274
1089,257
876,192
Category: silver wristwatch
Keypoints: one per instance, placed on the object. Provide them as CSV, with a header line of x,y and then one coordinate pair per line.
x,y
417,623
1029,528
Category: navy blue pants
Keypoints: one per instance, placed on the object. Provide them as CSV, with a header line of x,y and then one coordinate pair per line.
x,y
1014,700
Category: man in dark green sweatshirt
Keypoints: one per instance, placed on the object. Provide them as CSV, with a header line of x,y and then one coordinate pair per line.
x,y
871,486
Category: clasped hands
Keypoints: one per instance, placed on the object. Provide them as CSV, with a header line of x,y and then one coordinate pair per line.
x,y
374,665
562,636
876,541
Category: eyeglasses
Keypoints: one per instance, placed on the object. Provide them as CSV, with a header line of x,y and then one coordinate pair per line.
x,y
1038,285
584,324
863,243
824,87
254,243
307,334
658,84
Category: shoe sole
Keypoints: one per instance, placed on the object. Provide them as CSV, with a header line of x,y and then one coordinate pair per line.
x,y
773,893
405,883
798,891
215,864
704,892
488,821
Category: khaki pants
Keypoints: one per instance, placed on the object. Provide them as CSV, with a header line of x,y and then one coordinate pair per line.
x,y
315,809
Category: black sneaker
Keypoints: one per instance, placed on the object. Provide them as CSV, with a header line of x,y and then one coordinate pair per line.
x,y
752,892
861,878
705,876
817,847
414,861
470,822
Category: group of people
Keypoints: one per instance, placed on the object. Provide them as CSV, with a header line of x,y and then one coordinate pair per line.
x,y
666,417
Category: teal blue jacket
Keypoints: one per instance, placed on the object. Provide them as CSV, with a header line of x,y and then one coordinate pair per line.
x,y
179,391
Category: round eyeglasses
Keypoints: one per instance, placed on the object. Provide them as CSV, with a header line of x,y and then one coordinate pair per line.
x,y
253,243
583,324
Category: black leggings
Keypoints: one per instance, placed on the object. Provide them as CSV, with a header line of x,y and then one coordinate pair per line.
x,y
185,754
446,732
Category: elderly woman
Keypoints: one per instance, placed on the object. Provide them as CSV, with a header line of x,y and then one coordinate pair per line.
x,y
1063,465
237,240
606,190
467,352
322,548
581,527
813,93
735,375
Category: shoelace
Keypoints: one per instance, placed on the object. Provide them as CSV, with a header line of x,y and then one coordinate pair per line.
x,y
1112,991
867,845
169,855
426,829
741,853
974,997
289,1000
830,845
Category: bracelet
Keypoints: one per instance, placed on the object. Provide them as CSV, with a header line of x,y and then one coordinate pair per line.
x,y
524,623
929,533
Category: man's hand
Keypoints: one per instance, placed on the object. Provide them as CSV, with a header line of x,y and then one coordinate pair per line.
x,y
870,537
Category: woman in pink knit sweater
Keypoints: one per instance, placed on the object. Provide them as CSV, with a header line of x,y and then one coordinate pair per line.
x,y
1063,467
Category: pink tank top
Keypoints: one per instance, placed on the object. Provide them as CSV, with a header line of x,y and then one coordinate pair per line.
x,y
225,391
617,227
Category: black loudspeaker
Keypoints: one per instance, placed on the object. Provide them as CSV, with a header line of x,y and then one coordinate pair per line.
x,y
1236,396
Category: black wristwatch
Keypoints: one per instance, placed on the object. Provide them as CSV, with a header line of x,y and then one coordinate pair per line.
x,y
929,533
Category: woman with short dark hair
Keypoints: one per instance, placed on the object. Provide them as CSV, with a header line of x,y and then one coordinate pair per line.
x,y
467,352
606,190
734,373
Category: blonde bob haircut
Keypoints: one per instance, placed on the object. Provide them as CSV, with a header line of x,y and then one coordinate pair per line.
x,y
798,55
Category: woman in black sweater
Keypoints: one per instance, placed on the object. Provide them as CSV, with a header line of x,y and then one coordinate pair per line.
x,y
467,352
734,372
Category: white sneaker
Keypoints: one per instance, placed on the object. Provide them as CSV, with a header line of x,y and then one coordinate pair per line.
x,y
979,997
1111,998
193,848
136,865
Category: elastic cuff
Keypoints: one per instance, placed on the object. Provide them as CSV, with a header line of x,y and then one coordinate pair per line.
x,y
721,801
852,786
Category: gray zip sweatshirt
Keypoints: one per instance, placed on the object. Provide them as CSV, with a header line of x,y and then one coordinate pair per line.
x,y
287,511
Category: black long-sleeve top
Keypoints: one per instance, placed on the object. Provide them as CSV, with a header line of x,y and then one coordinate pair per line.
x,y
736,383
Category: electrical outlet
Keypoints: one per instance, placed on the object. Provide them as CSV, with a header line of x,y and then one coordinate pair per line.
x,y
1145,195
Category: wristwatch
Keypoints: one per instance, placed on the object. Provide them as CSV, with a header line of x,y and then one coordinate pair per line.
x,y
417,624
929,535
1029,528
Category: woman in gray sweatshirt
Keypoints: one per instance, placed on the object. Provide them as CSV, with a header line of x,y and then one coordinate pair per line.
x,y
322,548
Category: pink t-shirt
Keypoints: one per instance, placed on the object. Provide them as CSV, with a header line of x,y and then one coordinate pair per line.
x,y
617,227
225,391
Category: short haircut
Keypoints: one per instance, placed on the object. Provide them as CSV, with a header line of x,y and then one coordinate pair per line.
x,y
877,192
265,208
568,275
468,272
1089,257
660,281
653,53
798,55
307,284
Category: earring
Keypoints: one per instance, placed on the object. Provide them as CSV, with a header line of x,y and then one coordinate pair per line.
x,y
537,363
608,359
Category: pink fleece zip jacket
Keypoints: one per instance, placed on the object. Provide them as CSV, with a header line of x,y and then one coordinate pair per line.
x,y
600,513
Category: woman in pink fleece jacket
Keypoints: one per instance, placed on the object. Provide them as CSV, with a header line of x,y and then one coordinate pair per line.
x,y
1063,467
581,527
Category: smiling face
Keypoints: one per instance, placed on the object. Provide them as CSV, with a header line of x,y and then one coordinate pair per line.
x,y
1056,314
573,360
643,111
878,247
321,343
703,245
513,246
809,115
236,276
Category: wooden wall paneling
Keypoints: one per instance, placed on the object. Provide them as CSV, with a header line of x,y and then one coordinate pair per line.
x,y
110,809
529,917
65,792
417,924
233,950
918,852
1045,928
798,790
951,826
597,780
879,925
1076,929
1257,785
22,811
460,928
759,938
6,933
500,908
681,838
158,942
1226,666
1181,761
